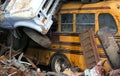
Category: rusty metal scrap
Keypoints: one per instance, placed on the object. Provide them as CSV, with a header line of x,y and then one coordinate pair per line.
x,y
111,48
17,67
73,71
23,68
33,65
97,70
3,58
115,72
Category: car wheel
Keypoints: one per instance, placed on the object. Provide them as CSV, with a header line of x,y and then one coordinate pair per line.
x,y
59,63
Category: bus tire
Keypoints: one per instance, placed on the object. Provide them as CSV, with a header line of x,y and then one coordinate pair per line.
x,y
59,62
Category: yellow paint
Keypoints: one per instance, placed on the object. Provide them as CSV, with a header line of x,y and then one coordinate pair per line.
x,y
66,47
77,60
69,38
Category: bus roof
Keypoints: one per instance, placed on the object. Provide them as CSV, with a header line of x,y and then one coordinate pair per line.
x,y
92,6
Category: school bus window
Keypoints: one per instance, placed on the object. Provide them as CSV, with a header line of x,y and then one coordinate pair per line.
x,y
85,21
107,20
66,22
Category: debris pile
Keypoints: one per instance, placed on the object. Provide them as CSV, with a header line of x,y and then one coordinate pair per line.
x,y
20,65
73,71
17,67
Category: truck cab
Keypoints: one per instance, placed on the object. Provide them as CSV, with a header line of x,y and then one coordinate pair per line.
x,y
33,15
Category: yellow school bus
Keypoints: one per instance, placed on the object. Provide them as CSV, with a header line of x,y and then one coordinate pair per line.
x,y
73,19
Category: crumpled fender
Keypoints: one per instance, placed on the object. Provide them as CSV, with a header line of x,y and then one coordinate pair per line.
x,y
29,24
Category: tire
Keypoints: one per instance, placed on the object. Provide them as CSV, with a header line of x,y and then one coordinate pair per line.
x,y
59,62
37,37
110,47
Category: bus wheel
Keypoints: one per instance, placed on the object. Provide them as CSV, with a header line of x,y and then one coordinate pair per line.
x,y
59,63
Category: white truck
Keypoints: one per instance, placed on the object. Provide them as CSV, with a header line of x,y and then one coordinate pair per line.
x,y
33,16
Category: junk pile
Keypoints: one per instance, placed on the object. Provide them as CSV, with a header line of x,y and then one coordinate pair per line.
x,y
17,64
17,67
20,65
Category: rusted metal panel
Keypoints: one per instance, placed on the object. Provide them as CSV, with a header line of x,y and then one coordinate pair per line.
x,y
110,47
53,37
115,72
117,39
90,50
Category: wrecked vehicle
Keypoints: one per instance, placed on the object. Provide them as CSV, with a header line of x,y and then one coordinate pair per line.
x,y
33,16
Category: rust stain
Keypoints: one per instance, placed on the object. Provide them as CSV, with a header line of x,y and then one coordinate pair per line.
x,y
92,8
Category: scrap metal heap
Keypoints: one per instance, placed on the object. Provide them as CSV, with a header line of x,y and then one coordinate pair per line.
x,y
17,67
